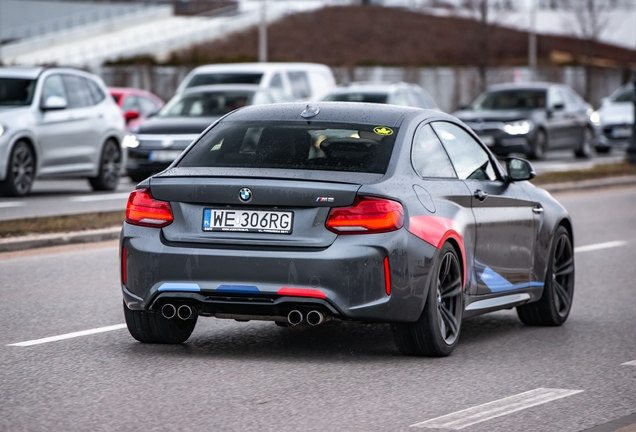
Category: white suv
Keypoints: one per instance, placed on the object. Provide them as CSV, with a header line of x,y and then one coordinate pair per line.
x,y
300,81
57,123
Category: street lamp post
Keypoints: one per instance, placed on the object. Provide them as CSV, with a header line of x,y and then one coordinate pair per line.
x,y
631,150
262,33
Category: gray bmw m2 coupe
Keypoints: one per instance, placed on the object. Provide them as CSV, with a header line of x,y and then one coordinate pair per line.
x,y
305,214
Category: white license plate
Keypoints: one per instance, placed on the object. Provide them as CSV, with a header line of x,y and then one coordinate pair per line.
x,y
622,132
270,222
164,155
487,139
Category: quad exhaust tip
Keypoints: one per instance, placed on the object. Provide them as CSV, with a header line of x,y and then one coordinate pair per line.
x,y
315,318
185,312
295,317
168,311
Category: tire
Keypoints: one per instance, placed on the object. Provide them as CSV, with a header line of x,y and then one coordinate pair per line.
x,y
152,327
539,146
20,171
586,149
436,332
555,303
109,168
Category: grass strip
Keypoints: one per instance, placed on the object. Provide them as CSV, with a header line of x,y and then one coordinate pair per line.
x,y
45,225
596,172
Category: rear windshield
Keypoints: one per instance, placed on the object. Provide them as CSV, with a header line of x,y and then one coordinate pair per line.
x,y
358,97
16,91
510,99
205,104
225,78
294,145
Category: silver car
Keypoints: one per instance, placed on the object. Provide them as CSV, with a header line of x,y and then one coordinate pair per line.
x,y
57,123
614,119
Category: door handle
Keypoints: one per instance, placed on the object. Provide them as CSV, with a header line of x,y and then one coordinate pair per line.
x,y
537,209
480,195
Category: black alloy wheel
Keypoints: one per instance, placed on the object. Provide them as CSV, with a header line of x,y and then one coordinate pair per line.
x,y
539,146
109,168
436,333
21,171
556,301
585,150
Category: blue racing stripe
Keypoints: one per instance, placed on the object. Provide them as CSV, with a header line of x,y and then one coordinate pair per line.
x,y
238,289
179,286
497,283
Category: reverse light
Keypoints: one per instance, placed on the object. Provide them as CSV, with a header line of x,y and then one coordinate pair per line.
x,y
130,141
518,128
367,215
142,209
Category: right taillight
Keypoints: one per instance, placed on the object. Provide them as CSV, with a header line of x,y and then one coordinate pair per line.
x,y
142,209
367,215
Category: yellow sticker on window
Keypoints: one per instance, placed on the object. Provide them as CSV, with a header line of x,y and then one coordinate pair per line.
x,y
383,130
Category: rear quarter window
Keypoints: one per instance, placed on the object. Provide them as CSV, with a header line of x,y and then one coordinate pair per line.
x,y
294,145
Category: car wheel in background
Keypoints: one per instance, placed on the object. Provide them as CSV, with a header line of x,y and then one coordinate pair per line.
x,y
539,146
151,327
556,301
21,171
587,145
436,332
109,168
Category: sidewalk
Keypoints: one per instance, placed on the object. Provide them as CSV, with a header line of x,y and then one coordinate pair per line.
x,y
12,244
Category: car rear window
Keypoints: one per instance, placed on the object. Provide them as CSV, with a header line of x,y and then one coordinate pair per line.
x,y
358,97
294,145
225,78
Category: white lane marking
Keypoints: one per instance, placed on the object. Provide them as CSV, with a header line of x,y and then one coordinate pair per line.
x,y
69,335
87,198
630,363
12,204
598,246
498,408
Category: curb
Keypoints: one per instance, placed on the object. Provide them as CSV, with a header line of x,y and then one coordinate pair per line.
x,y
13,244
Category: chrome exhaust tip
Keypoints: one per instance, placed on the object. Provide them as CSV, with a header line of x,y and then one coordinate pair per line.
x,y
185,312
168,311
295,317
315,318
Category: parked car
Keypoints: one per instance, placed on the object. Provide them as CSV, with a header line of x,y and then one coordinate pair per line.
x,y
531,118
300,81
614,119
305,214
390,93
57,122
136,104
155,143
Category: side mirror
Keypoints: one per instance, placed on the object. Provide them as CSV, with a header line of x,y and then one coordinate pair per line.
x,y
519,169
54,103
131,115
558,106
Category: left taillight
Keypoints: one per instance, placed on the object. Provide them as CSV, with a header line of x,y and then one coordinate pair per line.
x,y
142,209
367,215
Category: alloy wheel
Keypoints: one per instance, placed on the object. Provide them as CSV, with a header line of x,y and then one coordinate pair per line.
x,y
563,275
449,298
22,168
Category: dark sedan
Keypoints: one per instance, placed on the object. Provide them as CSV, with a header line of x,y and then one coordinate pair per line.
x,y
531,118
308,214
154,144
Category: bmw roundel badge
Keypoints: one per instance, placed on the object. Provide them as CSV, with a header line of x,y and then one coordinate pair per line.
x,y
245,194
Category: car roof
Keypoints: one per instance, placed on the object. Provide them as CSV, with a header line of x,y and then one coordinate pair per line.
x,y
256,67
337,112
20,72
526,85
223,87
372,86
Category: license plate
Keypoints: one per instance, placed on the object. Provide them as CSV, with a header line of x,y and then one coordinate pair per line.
x,y
257,221
488,140
622,132
164,155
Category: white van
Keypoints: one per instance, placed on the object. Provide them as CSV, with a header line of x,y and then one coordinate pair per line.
x,y
301,81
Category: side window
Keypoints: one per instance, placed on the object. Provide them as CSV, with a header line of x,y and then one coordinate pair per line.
x,y
555,97
468,157
147,106
77,90
276,82
422,100
261,98
428,156
401,98
96,92
299,84
130,104
53,86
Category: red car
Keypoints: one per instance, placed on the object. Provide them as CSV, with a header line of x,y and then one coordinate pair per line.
x,y
135,103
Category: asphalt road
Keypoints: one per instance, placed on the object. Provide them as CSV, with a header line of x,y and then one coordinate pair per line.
x,y
234,376
64,197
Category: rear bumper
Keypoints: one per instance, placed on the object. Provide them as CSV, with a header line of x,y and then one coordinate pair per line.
x,y
346,279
